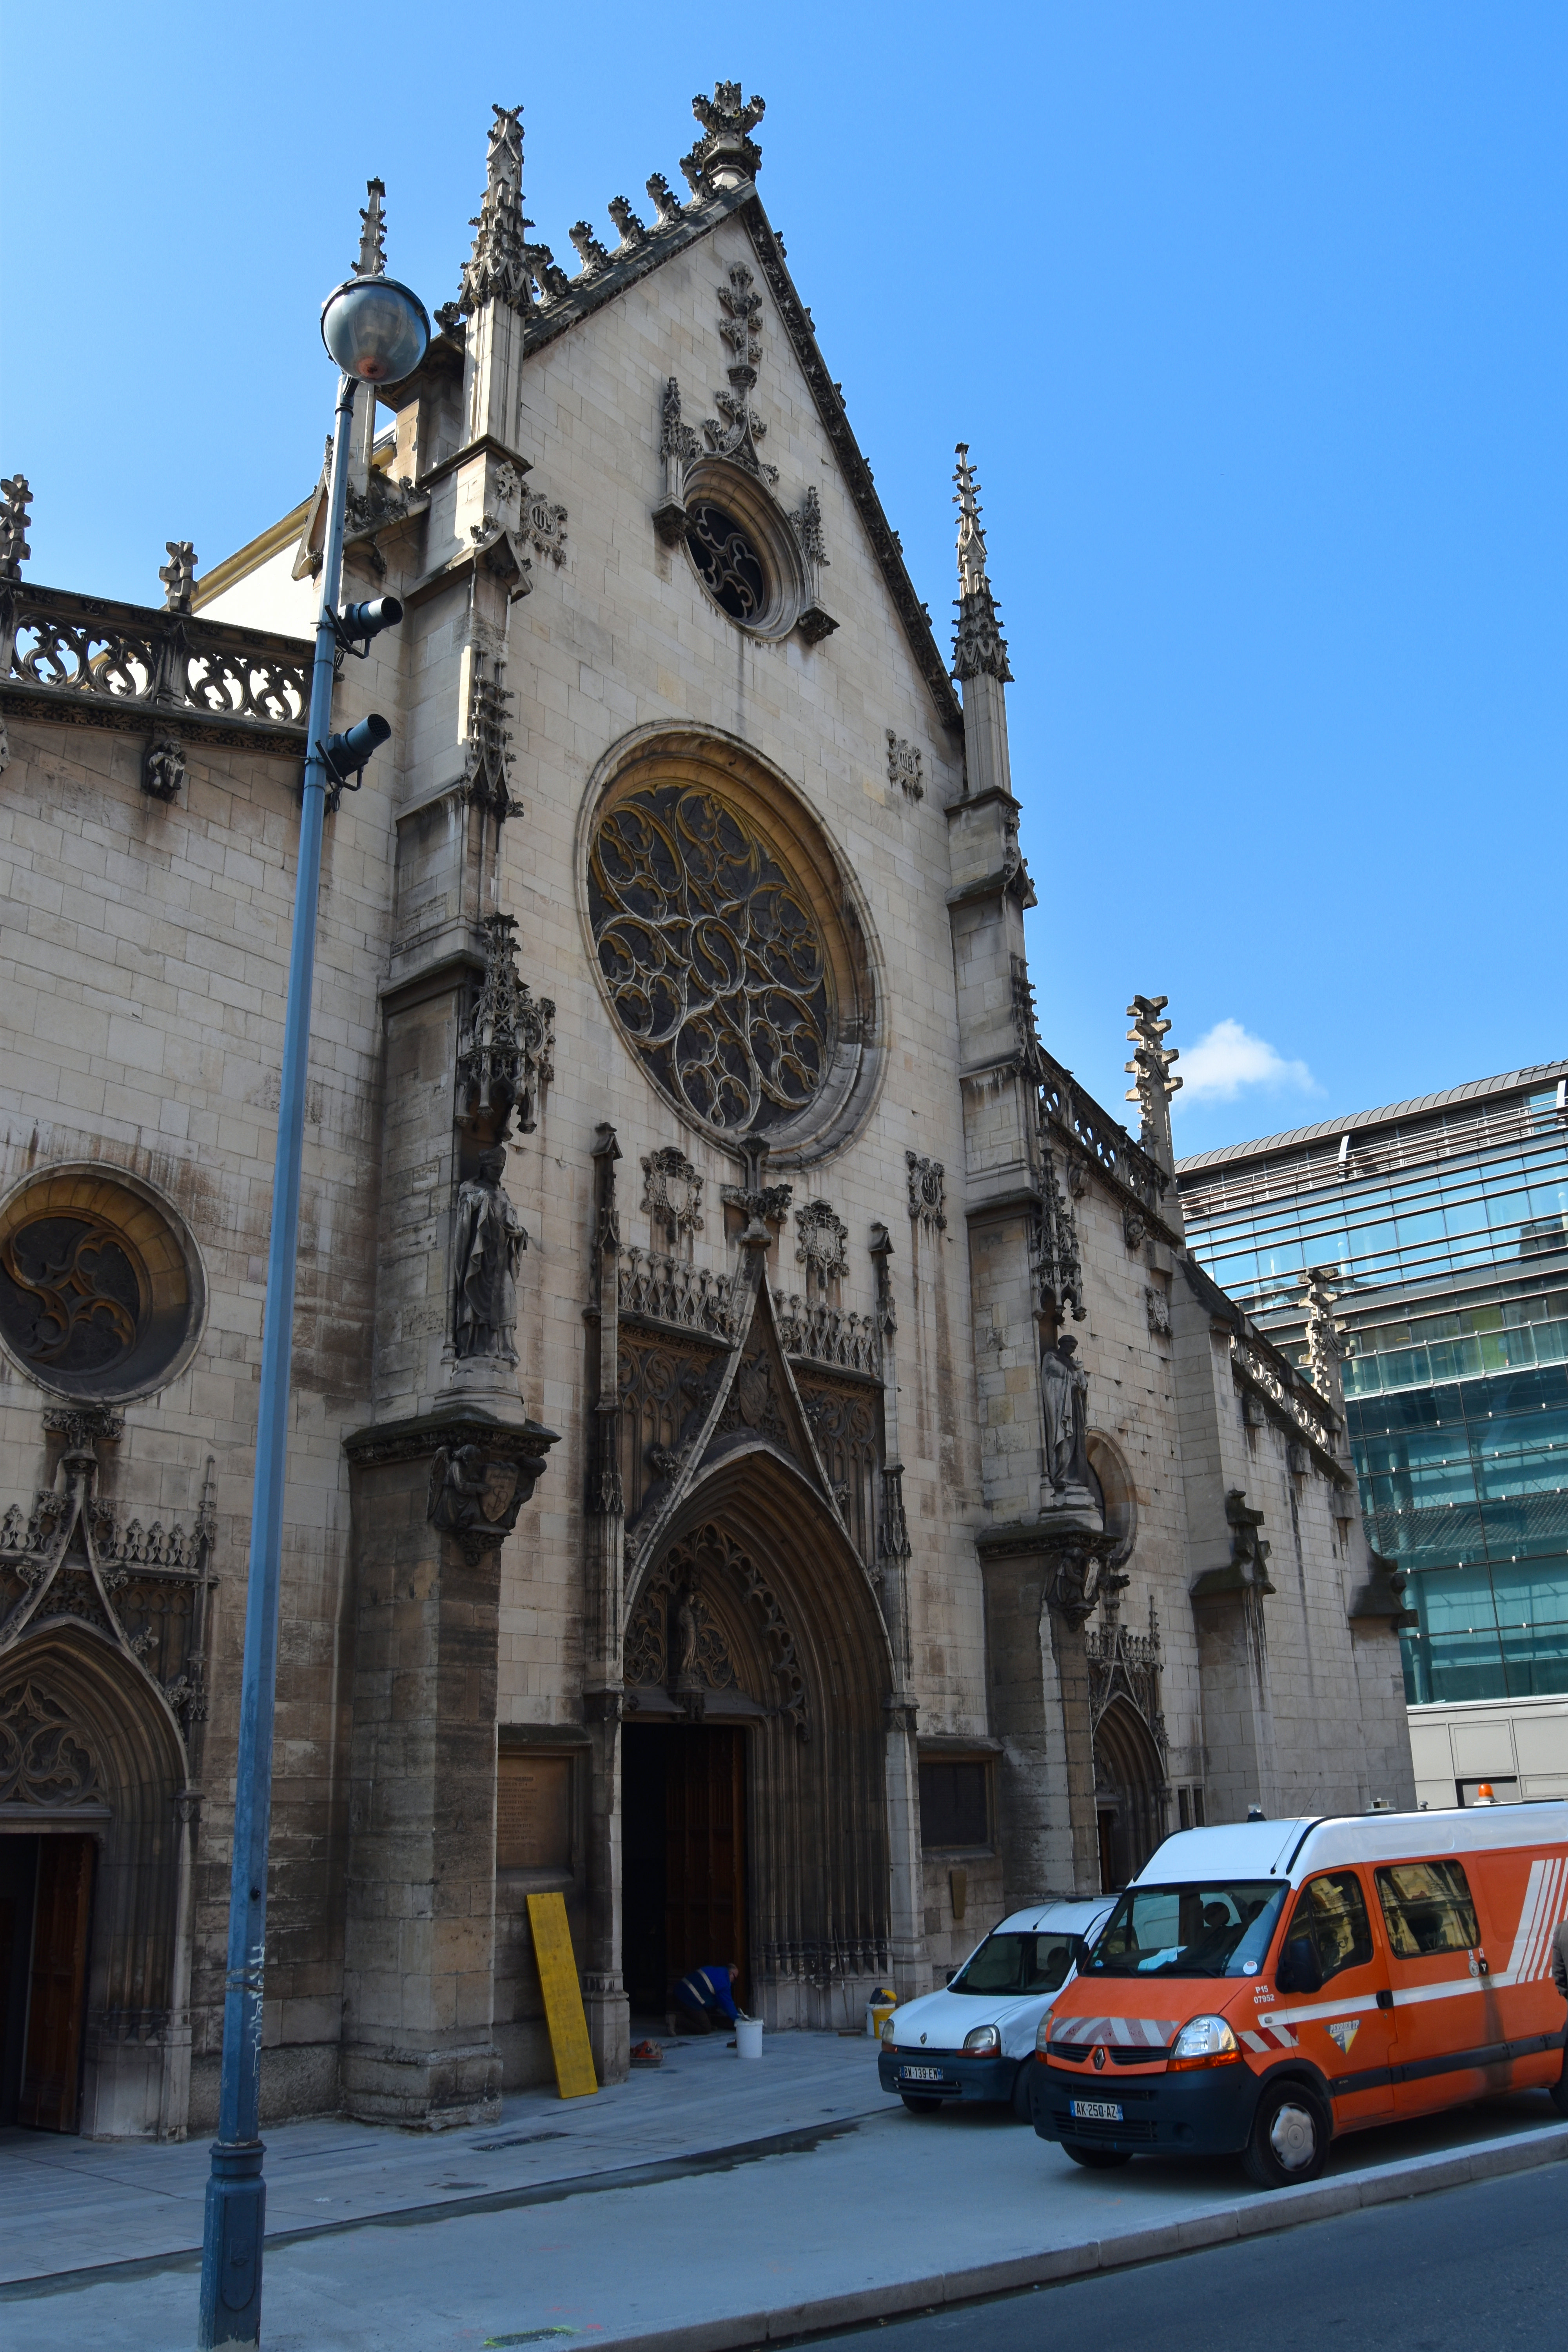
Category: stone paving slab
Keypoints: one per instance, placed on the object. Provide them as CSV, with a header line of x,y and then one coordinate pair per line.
x,y
722,2248
67,2203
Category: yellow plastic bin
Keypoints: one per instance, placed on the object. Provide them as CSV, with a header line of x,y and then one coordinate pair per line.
x,y
879,2009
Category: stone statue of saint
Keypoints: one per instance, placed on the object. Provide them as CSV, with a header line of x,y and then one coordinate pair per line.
x,y
685,1644
1064,1390
489,1242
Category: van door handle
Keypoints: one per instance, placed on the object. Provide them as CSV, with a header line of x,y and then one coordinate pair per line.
x,y
1384,1997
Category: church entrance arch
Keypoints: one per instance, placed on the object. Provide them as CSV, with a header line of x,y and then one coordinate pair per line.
x,y
94,1870
1130,1790
753,1753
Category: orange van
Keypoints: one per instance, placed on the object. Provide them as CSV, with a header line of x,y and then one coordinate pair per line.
x,y
1261,1987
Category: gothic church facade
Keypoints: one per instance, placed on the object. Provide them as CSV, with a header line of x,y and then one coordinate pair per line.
x,y
763,1462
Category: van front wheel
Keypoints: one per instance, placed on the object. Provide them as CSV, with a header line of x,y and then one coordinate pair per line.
x,y
1289,2141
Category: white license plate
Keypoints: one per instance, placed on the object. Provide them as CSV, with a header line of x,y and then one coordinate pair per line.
x,y
930,2075
1098,2111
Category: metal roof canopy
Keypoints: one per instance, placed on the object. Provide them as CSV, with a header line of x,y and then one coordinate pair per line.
x,y
1522,1082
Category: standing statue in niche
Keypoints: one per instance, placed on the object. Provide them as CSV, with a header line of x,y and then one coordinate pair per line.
x,y
685,1644
1064,1391
489,1242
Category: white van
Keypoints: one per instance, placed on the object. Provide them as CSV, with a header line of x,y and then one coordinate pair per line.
x,y
976,2040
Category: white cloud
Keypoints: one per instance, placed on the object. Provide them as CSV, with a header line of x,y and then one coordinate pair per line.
x,y
1219,1065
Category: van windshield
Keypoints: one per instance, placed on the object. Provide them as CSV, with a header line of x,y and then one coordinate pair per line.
x,y
1190,1931
1009,1962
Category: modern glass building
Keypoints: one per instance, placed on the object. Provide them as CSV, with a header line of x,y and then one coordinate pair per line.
x,y
1446,1223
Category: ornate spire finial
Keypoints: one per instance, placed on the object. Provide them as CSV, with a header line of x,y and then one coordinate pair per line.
x,y
501,265
978,644
726,155
1327,1346
372,262
16,498
1150,1070
178,575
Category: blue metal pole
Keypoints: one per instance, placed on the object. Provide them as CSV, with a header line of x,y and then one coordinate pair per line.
x,y
237,2192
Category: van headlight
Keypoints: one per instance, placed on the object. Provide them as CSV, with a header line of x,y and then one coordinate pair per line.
x,y
1043,2034
982,2042
1205,2041
888,2031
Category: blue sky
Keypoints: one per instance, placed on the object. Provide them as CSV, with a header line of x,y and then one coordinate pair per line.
x,y
1253,315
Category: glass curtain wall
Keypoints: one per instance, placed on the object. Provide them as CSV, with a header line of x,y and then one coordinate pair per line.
x,y
1457,1392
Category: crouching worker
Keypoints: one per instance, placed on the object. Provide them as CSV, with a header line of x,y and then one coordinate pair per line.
x,y
703,2000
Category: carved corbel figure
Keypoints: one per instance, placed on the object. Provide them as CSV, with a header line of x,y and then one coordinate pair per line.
x,y
1075,1585
477,1488
163,768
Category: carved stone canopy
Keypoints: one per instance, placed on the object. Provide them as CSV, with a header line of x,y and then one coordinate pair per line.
x,y
505,1060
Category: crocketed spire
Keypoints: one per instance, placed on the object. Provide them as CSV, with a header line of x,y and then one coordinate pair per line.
x,y
1150,1070
499,268
979,648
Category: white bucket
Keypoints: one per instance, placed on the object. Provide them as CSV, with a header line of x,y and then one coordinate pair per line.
x,y
749,2037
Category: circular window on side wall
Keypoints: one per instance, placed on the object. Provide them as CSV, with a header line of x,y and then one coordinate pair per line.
x,y
743,549
727,942
101,1290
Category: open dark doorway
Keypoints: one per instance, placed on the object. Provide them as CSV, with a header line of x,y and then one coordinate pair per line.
x,y
1130,1784
683,1855
45,1899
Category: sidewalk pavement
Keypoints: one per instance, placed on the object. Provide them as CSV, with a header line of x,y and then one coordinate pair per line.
x,y
713,2203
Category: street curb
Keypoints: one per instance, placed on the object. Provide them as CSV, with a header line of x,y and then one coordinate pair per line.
x,y
1262,2215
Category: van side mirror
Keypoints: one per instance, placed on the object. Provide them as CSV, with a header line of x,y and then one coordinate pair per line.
x,y
1299,1969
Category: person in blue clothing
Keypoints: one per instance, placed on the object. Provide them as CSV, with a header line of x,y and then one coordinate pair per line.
x,y
704,1999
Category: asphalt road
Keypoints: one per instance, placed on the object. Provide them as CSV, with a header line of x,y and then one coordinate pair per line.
x,y
1484,2268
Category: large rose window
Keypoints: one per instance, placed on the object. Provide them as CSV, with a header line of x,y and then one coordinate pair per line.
x,y
713,956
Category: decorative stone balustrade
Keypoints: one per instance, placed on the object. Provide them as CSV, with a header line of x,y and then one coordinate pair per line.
x,y
91,663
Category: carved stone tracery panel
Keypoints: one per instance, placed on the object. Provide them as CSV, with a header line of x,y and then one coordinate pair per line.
x,y
43,1760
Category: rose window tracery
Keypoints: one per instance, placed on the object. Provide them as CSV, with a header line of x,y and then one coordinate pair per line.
x,y
712,956
75,1296
100,1284
727,563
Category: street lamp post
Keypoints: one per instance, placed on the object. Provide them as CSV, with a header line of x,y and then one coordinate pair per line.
x,y
377,331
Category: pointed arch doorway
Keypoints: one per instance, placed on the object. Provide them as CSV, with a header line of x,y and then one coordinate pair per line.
x,y
1130,1793
754,1756
684,1873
